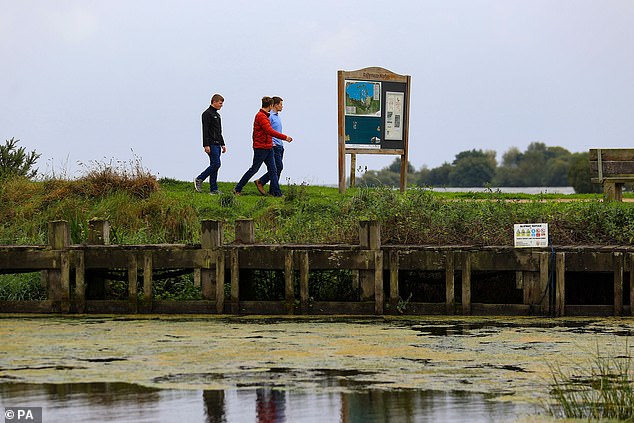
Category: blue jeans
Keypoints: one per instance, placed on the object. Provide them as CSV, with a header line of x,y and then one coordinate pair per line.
x,y
278,155
260,156
212,170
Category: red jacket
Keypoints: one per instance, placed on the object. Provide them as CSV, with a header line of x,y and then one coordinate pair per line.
x,y
263,131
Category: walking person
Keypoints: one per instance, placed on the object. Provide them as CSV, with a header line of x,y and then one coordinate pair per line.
x,y
278,145
263,149
213,144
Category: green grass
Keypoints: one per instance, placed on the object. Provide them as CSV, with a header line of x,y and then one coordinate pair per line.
x,y
599,390
144,210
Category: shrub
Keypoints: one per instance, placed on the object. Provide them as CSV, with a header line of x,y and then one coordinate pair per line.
x,y
16,161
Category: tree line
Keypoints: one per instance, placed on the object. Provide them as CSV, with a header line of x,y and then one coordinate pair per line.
x,y
538,166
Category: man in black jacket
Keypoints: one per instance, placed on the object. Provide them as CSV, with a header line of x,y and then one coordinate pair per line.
x,y
213,143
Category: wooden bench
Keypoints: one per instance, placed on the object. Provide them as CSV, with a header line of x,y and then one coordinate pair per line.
x,y
612,167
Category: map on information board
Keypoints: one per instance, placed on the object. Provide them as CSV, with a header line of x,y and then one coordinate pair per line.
x,y
363,98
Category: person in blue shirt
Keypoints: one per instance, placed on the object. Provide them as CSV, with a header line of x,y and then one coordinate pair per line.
x,y
278,145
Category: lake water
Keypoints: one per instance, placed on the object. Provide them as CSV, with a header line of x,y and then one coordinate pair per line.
x,y
511,190
119,402
294,369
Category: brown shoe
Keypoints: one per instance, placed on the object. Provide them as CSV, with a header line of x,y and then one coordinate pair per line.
x,y
259,186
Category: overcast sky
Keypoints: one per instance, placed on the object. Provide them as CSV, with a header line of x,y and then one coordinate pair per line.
x,y
85,80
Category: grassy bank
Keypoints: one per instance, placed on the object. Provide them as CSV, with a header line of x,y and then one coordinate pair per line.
x,y
143,210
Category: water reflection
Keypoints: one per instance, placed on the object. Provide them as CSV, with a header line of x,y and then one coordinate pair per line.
x,y
120,402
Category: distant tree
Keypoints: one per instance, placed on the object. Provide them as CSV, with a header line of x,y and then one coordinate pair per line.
x,y
538,166
438,176
395,166
579,174
474,168
16,161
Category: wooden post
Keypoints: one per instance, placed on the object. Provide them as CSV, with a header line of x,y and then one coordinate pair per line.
x,y
304,269
631,284
394,267
612,191
544,272
403,177
65,281
289,282
245,232
148,268
220,282
450,271
618,283
235,282
211,239
58,279
341,143
466,283
535,285
80,282
378,282
370,239
353,169
98,234
560,290
132,282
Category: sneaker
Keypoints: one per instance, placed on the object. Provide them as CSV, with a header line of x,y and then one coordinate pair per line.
x,y
198,185
259,186
216,192
236,192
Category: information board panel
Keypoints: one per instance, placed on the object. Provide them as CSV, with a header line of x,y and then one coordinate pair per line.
x,y
373,117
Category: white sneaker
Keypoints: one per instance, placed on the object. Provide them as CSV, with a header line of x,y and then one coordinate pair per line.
x,y
198,185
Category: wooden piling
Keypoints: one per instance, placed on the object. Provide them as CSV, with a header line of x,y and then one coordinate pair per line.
x,y
148,296
393,258
631,255
466,283
133,276
450,271
618,283
245,233
58,279
560,288
370,239
289,282
212,276
304,269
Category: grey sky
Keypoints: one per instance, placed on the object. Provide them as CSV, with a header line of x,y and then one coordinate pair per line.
x,y
87,80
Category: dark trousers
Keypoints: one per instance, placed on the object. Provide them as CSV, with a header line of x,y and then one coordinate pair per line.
x,y
278,155
260,156
212,169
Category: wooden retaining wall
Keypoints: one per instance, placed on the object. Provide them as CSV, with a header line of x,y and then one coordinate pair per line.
x,y
539,273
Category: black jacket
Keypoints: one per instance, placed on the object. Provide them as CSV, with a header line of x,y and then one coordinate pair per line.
x,y
212,128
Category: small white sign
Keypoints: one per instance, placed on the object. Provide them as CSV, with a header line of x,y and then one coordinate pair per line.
x,y
531,234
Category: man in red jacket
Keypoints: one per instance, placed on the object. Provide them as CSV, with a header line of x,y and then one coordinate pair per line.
x,y
263,149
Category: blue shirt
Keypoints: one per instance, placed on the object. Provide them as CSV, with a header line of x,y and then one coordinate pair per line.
x,y
276,123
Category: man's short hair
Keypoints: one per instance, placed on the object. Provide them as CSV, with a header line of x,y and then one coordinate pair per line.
x,y
217,97
277,100
266,102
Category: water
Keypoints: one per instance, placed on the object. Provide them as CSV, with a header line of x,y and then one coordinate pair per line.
x,y
293,369
120,402
510,190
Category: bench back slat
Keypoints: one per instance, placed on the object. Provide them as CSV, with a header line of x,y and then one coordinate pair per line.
x,y
615,162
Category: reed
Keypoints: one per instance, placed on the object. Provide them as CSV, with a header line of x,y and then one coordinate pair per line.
x,y
601,389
